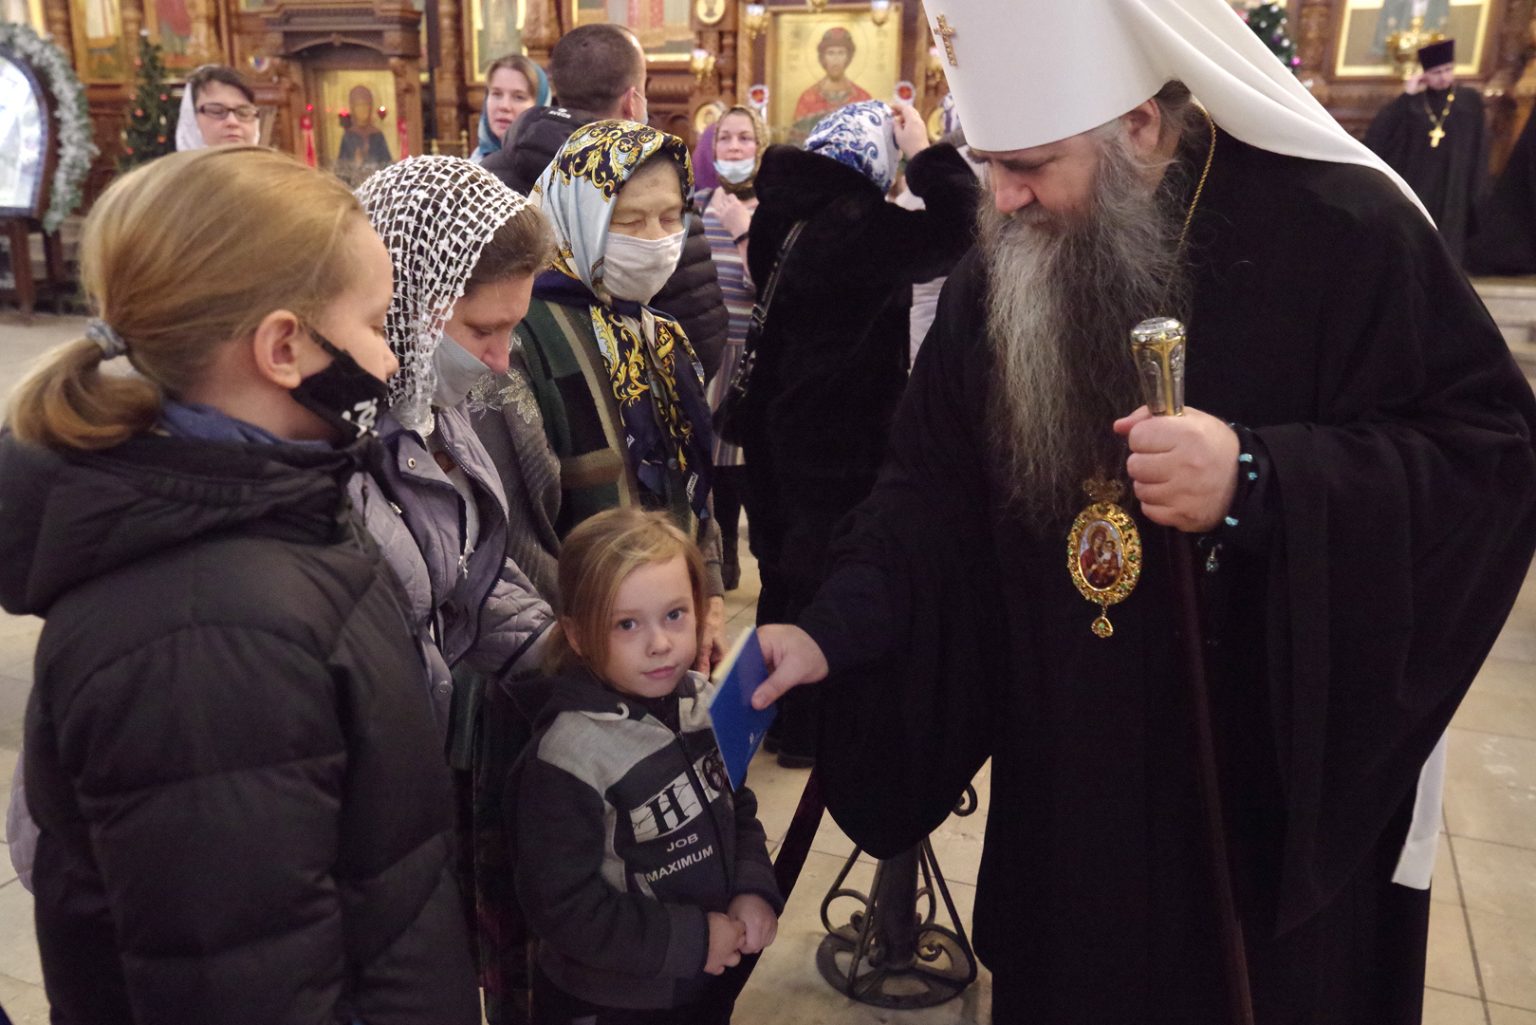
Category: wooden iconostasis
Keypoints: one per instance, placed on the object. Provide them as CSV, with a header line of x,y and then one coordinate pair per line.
x,y
413,70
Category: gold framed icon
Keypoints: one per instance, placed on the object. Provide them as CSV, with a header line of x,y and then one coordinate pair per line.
x,y
1104,553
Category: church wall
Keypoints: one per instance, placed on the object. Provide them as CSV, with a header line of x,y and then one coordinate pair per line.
x,y
1319,28
706,53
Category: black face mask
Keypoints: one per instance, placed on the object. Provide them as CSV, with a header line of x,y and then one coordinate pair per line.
x,y
344,395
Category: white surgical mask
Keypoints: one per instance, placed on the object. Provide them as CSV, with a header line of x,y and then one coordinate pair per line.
x,y
636,268
736,171
457,372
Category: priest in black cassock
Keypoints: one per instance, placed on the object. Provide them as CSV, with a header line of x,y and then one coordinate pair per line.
x,y
1434,136
1354,469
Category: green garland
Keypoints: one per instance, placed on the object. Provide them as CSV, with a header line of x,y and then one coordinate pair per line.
x,y
76,147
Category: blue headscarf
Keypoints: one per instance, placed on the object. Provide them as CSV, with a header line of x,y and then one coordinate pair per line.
x,y
489,143
862,136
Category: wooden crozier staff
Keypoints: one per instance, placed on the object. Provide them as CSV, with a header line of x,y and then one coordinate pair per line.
x,y
1158,347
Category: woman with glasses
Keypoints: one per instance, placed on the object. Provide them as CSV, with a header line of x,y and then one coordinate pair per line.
x,y
218,108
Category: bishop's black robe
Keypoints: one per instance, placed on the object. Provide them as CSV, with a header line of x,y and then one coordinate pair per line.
x,y
1450,178
1364,585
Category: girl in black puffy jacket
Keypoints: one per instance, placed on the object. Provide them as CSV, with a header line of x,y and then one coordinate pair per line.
x,y
244,812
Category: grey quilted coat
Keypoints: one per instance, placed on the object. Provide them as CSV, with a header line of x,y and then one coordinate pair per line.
x,y
480,611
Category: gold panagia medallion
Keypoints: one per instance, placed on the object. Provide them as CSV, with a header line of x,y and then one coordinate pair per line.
x,y
1104,551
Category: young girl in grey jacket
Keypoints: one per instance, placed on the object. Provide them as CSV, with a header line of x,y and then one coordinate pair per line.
x,y
640,872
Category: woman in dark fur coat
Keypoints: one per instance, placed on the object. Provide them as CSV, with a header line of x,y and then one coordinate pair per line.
x,y
832,361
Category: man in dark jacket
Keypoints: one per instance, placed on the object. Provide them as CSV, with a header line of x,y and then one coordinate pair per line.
x,y
598,72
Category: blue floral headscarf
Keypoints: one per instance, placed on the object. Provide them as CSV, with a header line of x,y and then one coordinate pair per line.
x,y
656,378
862,136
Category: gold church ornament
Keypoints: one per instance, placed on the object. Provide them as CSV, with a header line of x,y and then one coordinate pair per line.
x,y
1437,125
1403,45
946,33
1104,551
756,20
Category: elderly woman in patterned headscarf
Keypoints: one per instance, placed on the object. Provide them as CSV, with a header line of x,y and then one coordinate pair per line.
x,y
605,402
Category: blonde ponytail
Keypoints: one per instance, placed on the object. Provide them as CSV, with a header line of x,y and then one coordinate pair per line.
x,y
66,401
178,257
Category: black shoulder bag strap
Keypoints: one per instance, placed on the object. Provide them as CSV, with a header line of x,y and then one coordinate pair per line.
x,y
727,419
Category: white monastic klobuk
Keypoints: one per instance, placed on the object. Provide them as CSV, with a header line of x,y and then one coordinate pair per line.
x,y
1028,72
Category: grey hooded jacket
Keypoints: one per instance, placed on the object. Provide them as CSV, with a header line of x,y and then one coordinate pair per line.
x,y
627,835
480,611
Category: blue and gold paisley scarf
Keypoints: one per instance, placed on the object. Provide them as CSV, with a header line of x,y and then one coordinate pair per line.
x,y
655,376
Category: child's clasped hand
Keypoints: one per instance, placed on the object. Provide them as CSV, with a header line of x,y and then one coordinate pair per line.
x,y
760,925
725,939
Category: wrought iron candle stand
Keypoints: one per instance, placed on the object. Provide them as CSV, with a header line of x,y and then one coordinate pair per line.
x,y
888,955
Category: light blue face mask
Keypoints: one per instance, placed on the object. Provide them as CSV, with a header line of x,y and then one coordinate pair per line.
x,y
457,372
736,171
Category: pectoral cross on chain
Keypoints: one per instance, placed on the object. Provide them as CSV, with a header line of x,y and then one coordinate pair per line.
x,y
1435,135
946,32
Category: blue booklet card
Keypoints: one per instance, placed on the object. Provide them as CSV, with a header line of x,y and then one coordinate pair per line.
x,y
740,728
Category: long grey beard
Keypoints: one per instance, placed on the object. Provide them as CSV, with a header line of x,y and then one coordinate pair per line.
x,y
1064,295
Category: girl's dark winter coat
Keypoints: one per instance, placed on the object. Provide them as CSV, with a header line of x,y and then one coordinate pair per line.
x,y
246,817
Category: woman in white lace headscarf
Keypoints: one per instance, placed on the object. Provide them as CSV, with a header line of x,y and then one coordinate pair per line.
x,y
465,249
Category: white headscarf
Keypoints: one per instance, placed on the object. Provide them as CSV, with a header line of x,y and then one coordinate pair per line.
x,y
1029,72
189,134
435,215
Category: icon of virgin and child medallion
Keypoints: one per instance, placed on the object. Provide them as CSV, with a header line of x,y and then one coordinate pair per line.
x,y
1104,551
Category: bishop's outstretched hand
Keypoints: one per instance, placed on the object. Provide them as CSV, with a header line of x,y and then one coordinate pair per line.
x,y
792,657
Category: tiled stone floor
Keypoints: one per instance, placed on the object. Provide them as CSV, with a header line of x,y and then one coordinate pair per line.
x,y
1482,946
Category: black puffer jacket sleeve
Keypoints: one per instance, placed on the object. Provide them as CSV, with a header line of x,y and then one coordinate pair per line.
x,y
531,145
692,297
216,852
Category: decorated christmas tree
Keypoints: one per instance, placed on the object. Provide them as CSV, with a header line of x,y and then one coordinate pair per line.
x,y
151,128
1267,19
